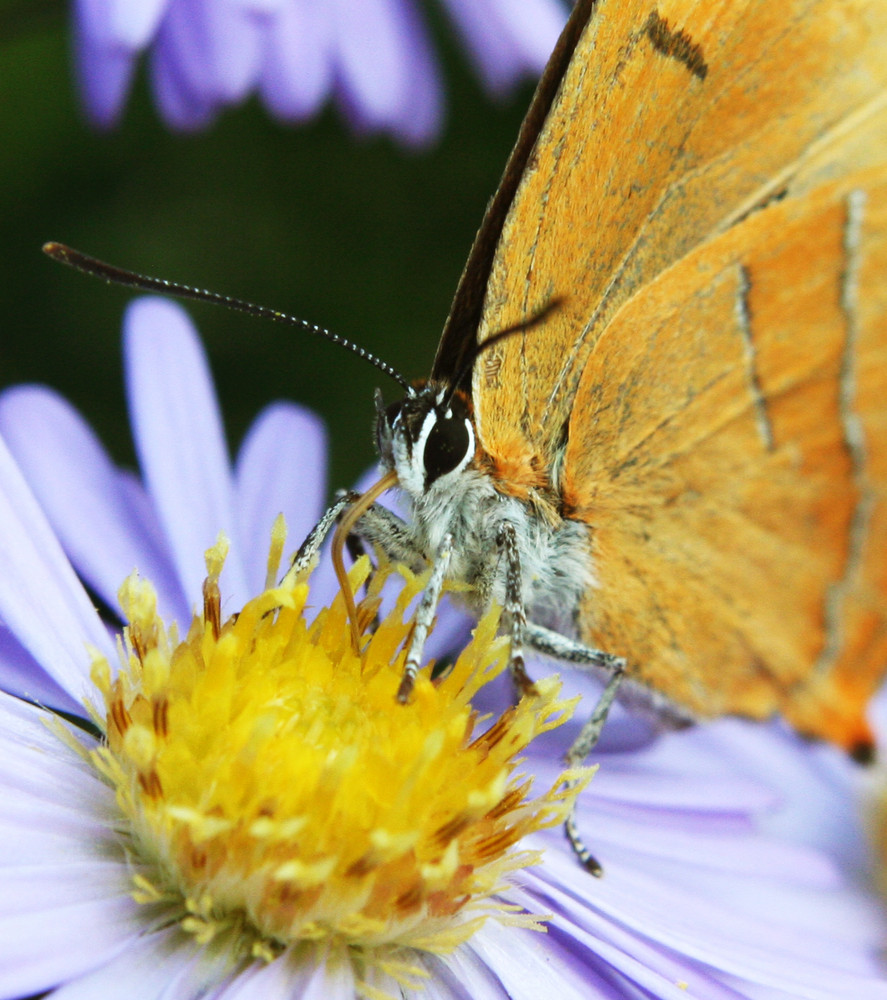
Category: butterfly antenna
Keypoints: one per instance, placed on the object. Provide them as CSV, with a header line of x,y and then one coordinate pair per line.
x,y
520,327
144,283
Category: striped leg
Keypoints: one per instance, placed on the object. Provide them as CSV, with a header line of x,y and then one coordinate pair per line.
x,y
424,618
578,752
308,550
514,609
568,650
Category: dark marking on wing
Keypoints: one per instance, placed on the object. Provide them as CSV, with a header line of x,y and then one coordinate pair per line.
x,y
492,365
746,324
675,44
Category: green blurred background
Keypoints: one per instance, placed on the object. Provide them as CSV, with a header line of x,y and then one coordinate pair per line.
x,y
360,236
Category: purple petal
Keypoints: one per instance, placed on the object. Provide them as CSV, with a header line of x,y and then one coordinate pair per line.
x,y
36,832
526,970
816,782
774,945
62,877
102,518
632,962
329,977
507,40
384,68
281,468
370,61
48,944
126,24
533,27
35,765
180,106
180,442
22,676
104,77
215,46
261,8
159,966
297,69
41,600
422,120
463,975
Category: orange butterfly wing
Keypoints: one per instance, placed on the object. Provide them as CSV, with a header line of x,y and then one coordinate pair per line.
x,y
683,138
735,473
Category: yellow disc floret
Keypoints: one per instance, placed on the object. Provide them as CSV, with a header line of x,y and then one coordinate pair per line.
x,y
271,782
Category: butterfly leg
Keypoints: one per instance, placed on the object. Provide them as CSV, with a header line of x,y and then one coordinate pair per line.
x,y
378,526
308,550
382,528
514,608
578,752
424,618
561,647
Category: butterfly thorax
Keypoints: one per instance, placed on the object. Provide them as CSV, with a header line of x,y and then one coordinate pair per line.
x,y
430,440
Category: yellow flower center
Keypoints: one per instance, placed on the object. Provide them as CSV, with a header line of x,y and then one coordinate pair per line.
x,y
278,793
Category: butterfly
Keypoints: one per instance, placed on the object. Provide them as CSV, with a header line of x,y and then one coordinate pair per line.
x,y
655,428
656,425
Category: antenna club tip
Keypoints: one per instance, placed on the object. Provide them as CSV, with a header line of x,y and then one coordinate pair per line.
x,y
54,250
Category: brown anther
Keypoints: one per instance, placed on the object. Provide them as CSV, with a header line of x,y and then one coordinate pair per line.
x,y
212,606
197,859
160,719
409,900
150,784
495,733
137,641
120,717
509,802
363,866
444,834
496,843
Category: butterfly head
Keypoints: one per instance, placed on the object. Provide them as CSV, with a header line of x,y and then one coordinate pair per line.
x,y
426,436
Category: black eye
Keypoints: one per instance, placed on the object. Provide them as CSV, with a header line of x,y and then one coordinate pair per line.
x,y
392,410
445,447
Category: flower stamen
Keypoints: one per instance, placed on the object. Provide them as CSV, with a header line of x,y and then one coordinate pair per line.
x,y
273,785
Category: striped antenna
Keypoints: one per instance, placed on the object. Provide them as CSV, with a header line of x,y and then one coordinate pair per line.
x,y
130,279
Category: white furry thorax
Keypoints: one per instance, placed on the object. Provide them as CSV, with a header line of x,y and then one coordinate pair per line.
x,y
556,566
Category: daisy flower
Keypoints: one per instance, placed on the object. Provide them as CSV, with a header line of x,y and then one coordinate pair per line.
x,y
374,58
244,810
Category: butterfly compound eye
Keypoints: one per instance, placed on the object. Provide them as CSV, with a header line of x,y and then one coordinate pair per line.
x,y
392,412
446,446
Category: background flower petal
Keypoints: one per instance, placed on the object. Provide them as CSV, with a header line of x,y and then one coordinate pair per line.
x,y
102,517
126,24
180,442
281,468
384,84
41,600
216,46
297,69
507,40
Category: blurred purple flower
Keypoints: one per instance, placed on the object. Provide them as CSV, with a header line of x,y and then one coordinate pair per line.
x,y
732,854
373,57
